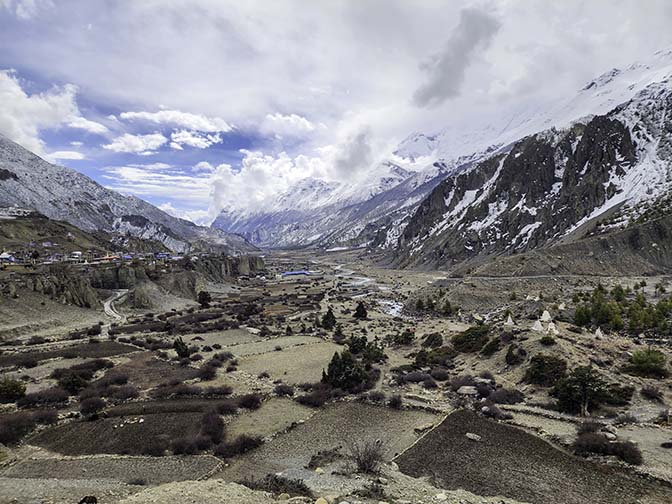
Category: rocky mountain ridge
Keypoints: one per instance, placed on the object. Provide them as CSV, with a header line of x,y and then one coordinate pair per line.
x,y
379,219
28,181
551,187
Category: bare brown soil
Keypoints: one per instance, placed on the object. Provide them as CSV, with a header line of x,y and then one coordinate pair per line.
x,y
146,371
119,435
85,350
508,461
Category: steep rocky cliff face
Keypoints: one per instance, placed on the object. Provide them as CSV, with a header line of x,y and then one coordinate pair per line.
x,y
211,269
549,187
56,284
78,286
640,249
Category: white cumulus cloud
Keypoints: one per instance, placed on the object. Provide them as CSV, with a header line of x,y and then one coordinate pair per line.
x,y
260,179
286,125
139,144
88,125
181,119
73,155
23,115
193,139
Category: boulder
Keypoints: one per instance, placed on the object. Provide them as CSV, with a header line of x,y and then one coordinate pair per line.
x,y
467,390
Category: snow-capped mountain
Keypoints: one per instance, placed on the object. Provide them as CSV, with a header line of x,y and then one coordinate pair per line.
x,y
376,211
605,161
322,212
28,181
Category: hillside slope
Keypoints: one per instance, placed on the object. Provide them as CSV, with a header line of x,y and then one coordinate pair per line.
x,y
28,181
596,174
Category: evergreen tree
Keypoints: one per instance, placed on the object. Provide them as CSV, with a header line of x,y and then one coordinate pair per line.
x,y
181,348
329,319
581,390
344,372
360,311
204,299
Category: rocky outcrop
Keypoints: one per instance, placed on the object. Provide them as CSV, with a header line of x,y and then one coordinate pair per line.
x,y
641,249
57,285
544,187
77,285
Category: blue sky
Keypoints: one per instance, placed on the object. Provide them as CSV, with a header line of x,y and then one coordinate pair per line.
x,y
204,105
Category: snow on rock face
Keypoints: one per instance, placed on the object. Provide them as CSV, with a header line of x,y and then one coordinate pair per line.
x,y
64,194
551,184
379,205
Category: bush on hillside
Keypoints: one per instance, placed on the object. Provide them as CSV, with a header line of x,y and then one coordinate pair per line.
x,y
472,340
648,363
11,390
545,370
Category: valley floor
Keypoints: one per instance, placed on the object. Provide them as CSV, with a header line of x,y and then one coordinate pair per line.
x,y
258,333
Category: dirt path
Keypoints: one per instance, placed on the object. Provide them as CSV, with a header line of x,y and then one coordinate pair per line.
x,y
108,304
111,312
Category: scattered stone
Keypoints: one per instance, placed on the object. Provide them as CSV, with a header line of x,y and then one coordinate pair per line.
x,y
319,470
472,436
423,427
467,390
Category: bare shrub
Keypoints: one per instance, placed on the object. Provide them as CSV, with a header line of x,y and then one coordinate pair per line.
x,y
416,377
429,384
228,407
91,406
52,396
250,401
316,397
242,444
14,427
462,381
367,456
589,426
46,417
277,484
282,389
212,426
439,374
207,373
395,402
506,396
652,393
124,393
155,447
184,446
592,442
11,389
376,396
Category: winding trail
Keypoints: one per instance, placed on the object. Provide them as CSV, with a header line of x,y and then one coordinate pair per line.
x,y
110,310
